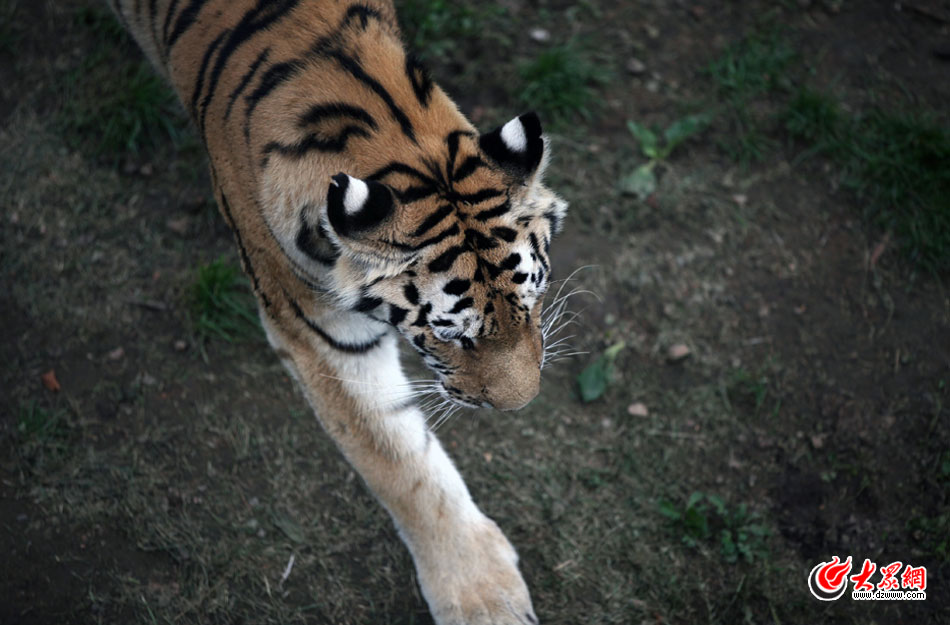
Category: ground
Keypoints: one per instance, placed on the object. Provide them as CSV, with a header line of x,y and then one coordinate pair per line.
x,y
173,476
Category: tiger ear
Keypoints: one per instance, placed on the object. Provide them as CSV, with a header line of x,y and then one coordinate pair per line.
x,y
360,220
355,206
518,146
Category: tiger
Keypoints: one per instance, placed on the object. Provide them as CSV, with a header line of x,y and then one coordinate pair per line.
x,y
365,206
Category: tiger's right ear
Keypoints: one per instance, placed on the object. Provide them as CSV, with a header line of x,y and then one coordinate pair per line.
x,y
360,220
518,146
355,206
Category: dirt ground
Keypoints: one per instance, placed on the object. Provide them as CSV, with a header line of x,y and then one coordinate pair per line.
x,y
171,480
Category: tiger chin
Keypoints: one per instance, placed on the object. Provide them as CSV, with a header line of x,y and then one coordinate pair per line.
x,y
365,206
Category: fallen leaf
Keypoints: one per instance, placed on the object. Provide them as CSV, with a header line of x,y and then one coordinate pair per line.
x,y
49,381
117,354
641,183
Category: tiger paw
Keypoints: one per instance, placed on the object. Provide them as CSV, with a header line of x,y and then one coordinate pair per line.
x,y
473,579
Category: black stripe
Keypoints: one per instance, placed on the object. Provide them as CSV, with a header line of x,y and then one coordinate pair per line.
x,y
469,166
334,110
513,260
413,194
462,304
411,293
446,259
313,143
353,66
489,213
246,79
245,258
537,250
186,20
457,286
506,234
367,304
152,14
448,232
266,13
308,239
474,198
349,348
423,317
167,24
361,11
400,168
199,81
397,314
275,76
420,79
479,241
519,277
433,220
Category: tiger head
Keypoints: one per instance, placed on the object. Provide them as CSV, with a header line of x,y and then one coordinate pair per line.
x,y
455,256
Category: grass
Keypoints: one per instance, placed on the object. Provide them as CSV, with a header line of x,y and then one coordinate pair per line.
x,y
898,164
435,28
221,303
753,66
705,519
115,100
561,82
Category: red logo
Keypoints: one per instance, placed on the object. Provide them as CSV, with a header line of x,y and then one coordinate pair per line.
x,y
828,580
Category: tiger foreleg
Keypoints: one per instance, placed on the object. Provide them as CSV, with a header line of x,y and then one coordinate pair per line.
x,y
466,567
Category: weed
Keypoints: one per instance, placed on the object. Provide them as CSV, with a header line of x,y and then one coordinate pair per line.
x,y
435,27
10,34
899,164
754,65
704,518
745,388
221,303
933,534
642,182
118,104
593,380
813,117
561,82
42,435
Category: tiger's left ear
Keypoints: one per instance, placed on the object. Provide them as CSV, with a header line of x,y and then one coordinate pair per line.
x,y
518,146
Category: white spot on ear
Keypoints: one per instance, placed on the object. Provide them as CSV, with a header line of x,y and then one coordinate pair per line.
x,y
356,194
513,135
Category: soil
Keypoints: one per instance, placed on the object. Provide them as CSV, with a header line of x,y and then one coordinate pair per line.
x,y
842,457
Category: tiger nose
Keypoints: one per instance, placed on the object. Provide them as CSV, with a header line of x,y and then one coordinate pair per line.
x,y
514,390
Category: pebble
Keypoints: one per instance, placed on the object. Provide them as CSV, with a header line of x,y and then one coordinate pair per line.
x,y
540,34
117,354
678,352
635,66
638,409
180,345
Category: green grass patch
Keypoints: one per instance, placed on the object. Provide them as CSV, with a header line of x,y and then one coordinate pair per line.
x,y
115,100
706,519
221,303
897,163
435,28
756,65
561,82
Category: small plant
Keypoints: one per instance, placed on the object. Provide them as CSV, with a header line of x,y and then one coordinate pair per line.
x,y
593,380
706,518
898,163
561,82
120,105
642,181
435,27
221,303
750,389
754,65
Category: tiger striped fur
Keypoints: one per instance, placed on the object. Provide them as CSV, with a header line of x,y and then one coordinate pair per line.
x,y
365,205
